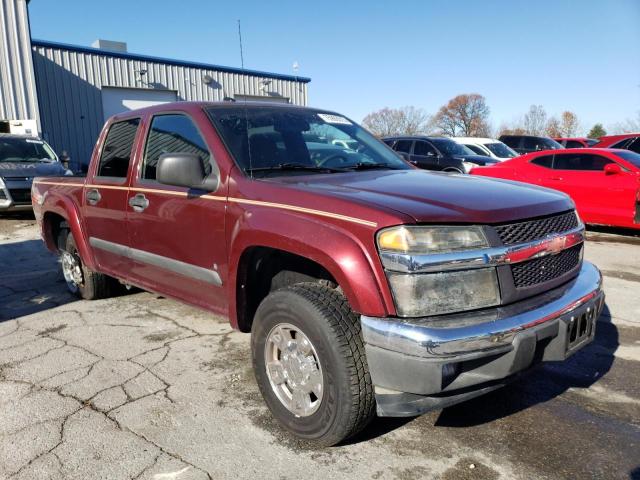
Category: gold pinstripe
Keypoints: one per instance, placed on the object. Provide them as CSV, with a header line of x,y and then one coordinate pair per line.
x,y
260,203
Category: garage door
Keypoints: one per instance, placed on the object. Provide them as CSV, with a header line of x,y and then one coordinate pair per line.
x,y
118,100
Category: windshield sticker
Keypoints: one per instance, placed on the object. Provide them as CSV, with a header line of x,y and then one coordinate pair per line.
x,y
39,142
337,119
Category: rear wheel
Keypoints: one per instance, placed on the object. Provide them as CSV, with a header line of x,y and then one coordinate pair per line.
x,y
81,281
310,364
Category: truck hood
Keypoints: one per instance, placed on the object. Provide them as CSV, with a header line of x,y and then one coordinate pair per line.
x,y
432,197
31,169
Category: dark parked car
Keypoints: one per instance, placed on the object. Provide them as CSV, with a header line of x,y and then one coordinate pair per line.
x,y
437,153
21,159
529,143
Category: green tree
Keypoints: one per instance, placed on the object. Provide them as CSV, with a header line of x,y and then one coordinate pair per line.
x,y
597,131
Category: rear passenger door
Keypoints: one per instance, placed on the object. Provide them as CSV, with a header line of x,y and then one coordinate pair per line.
x,y
403,147
177,234
105,197
424,155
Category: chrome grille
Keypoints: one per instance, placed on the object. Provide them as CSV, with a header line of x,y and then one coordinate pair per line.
x,y
530,230
544,269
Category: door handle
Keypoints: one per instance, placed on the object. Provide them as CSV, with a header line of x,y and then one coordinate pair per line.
x,y
138,202
93,196
555,178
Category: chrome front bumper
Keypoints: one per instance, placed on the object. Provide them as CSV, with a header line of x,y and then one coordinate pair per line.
x,y
447,354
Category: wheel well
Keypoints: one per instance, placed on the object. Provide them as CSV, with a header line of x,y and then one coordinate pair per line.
x,y
53,224
262,270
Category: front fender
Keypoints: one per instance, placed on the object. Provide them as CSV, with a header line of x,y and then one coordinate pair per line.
x,y
349,255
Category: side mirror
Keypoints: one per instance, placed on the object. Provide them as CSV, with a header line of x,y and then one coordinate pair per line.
x,y
612,169
184,170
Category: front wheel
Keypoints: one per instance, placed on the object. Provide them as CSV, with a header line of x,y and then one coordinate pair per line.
x,y
310,364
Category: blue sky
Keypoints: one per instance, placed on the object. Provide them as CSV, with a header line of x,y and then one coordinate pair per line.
x,y
364,55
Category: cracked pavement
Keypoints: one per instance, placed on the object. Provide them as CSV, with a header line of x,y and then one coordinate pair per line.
x,y
142,387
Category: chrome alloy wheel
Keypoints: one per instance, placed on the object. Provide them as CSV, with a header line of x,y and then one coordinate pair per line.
x,y
72,271
294,369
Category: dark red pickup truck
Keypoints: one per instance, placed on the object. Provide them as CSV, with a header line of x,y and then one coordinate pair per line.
x,y
367,285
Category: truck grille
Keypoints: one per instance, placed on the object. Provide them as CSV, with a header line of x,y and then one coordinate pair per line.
x,y
535,229
21,196
544,269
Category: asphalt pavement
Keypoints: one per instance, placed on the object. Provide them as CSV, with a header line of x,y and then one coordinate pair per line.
x,y
142,387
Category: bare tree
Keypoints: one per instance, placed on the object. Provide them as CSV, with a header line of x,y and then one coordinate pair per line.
x,y
535,120
569,124
630,125
397,121
553,128
465,115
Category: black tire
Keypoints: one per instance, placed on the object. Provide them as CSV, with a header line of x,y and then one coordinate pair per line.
x,y
94,285
324,316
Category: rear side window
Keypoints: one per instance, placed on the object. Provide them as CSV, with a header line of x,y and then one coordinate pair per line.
x,y
576,161
621,144
513,142
574,144
544,161
403,146
173,133
117,149
424,149
634,146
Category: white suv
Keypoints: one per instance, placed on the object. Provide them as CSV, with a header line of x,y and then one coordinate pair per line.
x,y
488,147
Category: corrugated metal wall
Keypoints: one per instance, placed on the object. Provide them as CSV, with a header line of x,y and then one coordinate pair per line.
x,y
18,100
69,80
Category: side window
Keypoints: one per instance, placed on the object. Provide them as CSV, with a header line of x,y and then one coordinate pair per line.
x,y
477,150
117,149
513,142
389,142
574,144
173,133
544,161
575,161
403,146
532,143
621,144
424,149
634,146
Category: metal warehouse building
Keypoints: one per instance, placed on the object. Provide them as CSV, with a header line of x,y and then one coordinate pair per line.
x,y
65,92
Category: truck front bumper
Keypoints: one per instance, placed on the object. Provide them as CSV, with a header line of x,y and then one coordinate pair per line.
x,y
423,364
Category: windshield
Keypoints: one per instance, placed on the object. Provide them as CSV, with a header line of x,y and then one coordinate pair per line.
x,y
630,157
267,140
499,149
13,149
449,147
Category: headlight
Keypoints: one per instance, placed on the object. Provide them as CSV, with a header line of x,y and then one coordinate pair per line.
x,y
437,293
427,294
427,240
468,166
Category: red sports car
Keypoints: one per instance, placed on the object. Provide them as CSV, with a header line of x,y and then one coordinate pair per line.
x,y
604,183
